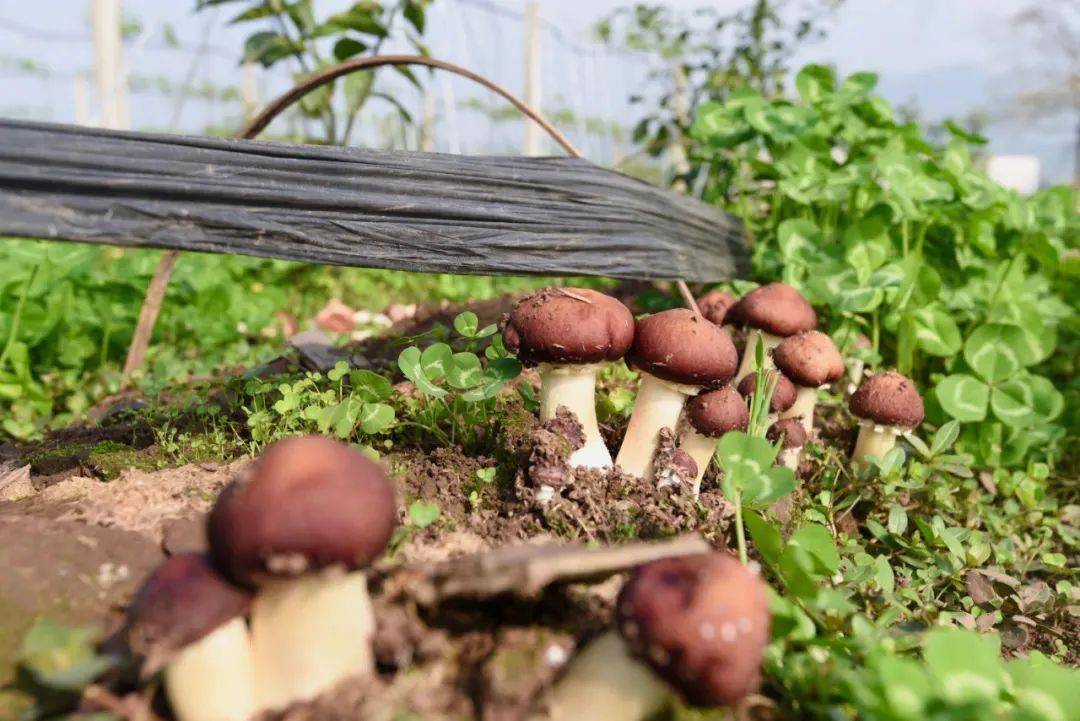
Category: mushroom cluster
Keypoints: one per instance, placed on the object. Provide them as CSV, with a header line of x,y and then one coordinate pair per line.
x,y
279,611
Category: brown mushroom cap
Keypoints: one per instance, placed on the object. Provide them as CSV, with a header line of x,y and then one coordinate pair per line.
x,y
783,396
679,346
791,430
701,622
714,305
182,601
306,503
775,308
810,359
888,399
714,413
568,326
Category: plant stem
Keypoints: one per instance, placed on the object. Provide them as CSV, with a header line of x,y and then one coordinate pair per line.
x,y
740,532
13,332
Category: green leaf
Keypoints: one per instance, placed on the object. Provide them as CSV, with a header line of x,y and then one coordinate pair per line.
x,y
898,519
370,387
346,48
409,361
815,83
1044,690
745,459
497,374
62,657
361,17
945,437
965,664
266,48
423,513
465,371
1026,399
993,351
376,417
766,536
414,13
816,541
905,685
936,332
436,360
466,324
963,397
357,89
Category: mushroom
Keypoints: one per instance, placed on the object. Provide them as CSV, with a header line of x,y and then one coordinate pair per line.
x,y
700,623
297,525
678,353
189,620
793,436
569,332
707,417
772,312
715,304
783,396
888,405
810,360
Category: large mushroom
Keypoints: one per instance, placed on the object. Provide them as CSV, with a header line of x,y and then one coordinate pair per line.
x,y
792,435
784,392
700,623
190,621
298,525
707,417
568,333
772,312
678,353
811,360
887,405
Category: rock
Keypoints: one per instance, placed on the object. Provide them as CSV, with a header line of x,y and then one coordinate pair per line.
x,y
15,483
67,571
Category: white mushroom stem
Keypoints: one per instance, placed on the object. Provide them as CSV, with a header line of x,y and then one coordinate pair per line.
x,y
855,372
308,633
701,448
658,405
803,408
605,683
574,386
874,440
749,357
213,679
789,457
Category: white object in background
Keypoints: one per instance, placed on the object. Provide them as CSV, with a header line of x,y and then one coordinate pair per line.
x,y
1017,172
532,144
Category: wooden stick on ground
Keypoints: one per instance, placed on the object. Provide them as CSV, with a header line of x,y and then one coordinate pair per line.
x,y
151,306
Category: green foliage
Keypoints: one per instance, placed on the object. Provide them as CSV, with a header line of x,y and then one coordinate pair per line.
x,y
456,391
959,283
291,31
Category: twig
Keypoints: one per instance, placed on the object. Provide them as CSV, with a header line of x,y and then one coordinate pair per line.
x,y
155,294
688,297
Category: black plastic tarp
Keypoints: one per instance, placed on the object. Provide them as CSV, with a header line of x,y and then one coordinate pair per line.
x,y
346,206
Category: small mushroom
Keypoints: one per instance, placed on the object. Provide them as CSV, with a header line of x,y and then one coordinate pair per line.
x,y
189,620
678,353
696,626
569,332
707,417
793,437
810,360
888,405
772,312
715,304
308,513
784,392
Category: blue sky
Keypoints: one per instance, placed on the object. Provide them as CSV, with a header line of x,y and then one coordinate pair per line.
x,y
947,57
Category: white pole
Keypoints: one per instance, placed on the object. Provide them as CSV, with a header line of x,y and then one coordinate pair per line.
x,y
82,100
427,122
249,90
532,77
105,20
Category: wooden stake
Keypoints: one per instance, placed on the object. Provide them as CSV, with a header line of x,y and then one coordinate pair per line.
x,y
155,294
